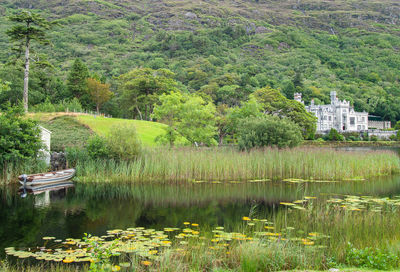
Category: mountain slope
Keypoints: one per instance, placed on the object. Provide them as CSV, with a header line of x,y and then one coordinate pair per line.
x,y
310,46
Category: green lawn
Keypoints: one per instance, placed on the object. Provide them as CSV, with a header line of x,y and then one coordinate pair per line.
x,y
147,131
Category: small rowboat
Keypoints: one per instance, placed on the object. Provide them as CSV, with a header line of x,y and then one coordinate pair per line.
x,y
46,178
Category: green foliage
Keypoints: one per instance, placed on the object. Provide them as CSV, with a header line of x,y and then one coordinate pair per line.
x,y
77,81
66,132
188,115
371,258
222,52
373,138
274,103
63,106
141,87
19,137
101,255
334,135
397,125
123,143
30,27
97,147
269,131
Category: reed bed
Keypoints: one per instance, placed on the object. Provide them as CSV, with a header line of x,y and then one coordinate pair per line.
x,y
228,164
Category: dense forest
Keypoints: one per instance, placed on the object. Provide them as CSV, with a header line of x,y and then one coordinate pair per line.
x,y
222,51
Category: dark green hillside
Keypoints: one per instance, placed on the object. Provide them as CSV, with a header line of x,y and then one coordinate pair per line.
x,y
225,49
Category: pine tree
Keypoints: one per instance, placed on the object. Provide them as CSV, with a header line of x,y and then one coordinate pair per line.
x,y
77,80
31,27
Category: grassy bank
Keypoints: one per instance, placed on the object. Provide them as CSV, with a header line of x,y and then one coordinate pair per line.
x,y
226,164
146,131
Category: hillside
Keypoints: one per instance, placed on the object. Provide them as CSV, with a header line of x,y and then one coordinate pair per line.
x,y
75,129
310,46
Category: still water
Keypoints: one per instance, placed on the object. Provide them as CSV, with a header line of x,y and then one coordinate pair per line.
x,y
95,208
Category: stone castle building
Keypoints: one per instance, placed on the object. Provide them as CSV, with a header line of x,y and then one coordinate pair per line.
x,y
338,115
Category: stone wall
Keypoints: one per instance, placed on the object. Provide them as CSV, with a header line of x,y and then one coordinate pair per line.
x,y
379,124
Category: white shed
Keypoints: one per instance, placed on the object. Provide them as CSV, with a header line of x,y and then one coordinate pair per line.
x,y
45,136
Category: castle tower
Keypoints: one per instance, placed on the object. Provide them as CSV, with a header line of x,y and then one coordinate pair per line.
x,y
333,97
297,97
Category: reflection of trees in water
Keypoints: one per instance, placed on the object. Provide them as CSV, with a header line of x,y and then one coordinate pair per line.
x,y
20,220
95,208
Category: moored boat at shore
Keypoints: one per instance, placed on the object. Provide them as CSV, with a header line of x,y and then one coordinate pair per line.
x,y
46,178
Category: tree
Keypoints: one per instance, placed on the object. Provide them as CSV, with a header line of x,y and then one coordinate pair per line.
x,y
77,83
269,131
141,88
19,137
274,103
187,115
99,92
31,27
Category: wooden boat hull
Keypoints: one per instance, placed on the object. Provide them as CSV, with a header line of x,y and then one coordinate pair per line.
x,y
47,178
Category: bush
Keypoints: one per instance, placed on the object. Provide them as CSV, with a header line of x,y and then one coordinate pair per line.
x,y
123,142
62,106
371,258
19,137
74,155
334,135
97,147
373,138
269,131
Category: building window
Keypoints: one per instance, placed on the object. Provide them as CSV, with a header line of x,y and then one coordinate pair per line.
x,y
325,117
352,121
330,118
363,119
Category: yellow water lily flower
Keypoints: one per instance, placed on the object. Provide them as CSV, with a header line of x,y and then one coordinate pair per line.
x,y
195,224
116,268
245,218
146,263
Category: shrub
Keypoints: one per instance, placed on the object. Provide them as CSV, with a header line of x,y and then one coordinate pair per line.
x,y
97,147
373,138
62,106
123,142
19,137
269,131
371,258
334,135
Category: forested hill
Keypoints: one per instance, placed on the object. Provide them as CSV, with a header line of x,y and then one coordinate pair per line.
x,y
225,49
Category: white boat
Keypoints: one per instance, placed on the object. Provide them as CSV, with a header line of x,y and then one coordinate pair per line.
x,y
46,178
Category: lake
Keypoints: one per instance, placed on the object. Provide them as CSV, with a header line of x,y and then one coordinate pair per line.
x,y
98,207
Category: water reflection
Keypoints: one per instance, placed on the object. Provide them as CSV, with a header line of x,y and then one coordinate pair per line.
x,y
45,193
71,211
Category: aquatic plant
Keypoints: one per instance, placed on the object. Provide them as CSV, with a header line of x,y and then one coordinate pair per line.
x,y
228,164
140,247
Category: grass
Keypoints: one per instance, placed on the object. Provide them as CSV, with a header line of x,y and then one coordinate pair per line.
x,y
66,132
147,131
228,164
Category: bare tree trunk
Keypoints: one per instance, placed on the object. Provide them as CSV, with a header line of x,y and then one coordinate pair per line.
x,y
97,108
26,77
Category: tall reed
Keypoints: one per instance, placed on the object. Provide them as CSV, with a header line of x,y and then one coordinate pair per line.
x,y
228,164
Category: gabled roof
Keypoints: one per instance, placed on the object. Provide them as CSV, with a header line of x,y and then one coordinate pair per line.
x,y
44,129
